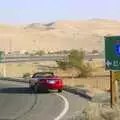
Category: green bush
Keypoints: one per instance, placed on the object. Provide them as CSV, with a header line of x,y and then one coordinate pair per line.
x,y
76,60
85,70
40,53
26,53
26,75
63,65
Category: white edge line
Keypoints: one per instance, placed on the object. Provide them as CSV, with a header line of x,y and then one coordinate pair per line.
x,y
13,83
66,107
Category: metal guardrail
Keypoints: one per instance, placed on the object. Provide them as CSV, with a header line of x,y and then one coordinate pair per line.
x,y
38,57
33,58
15,59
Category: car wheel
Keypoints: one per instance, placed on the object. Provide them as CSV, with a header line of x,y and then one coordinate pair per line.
x,y
36,89
31,86
59,90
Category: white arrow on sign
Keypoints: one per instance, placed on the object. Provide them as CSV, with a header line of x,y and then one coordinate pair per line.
x,y
108,63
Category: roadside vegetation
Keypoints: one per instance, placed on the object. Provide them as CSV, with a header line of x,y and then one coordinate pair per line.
x,y
97,111
76,61
26,75
40,53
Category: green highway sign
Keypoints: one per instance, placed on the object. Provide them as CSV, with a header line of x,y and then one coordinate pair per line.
x,y
112,53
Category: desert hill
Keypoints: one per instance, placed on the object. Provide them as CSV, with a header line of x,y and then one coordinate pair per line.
x,y
59,35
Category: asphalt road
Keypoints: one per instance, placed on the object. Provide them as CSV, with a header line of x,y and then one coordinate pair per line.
x,y
17,102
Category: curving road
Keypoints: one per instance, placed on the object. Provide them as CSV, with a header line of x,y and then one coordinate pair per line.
x,y
17,102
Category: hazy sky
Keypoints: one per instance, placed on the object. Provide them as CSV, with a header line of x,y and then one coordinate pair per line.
x,y
26,11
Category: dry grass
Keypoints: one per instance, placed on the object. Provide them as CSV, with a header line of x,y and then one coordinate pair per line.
x,y
101,81
96,111
98,82
16,70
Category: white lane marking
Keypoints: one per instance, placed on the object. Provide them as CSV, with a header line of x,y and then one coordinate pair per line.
x,y
77,113
64,111
13,83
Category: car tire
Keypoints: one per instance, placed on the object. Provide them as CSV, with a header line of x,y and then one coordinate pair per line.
x,y
59,90
36,89
31,86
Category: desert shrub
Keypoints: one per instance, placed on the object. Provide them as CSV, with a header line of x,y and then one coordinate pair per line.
x,y
85,70
26,75
76,60
95,51
40,52
95,111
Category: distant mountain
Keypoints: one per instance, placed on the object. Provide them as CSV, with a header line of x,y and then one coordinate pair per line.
x,y
59,35
46,26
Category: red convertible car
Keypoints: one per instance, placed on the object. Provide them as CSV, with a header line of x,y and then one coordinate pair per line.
x,y
45,81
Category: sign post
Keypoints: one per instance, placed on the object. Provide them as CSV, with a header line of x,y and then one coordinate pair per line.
x,y
112,62
112,88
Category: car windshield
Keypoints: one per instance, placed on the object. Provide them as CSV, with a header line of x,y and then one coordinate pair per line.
x,y
42,74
